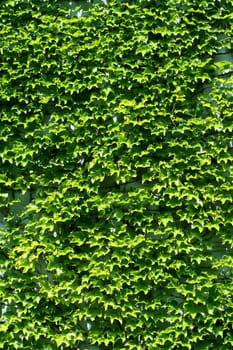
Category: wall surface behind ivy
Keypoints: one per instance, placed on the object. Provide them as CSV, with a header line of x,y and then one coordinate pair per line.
x,y
116,159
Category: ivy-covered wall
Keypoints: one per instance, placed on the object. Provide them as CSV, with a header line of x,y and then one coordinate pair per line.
x,y
116,176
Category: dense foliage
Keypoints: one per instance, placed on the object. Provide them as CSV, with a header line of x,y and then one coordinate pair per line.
x,y
116,176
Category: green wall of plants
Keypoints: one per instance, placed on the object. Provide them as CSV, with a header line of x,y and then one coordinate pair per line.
x,y
116,176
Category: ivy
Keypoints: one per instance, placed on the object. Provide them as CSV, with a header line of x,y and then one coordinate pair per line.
x,y
116,175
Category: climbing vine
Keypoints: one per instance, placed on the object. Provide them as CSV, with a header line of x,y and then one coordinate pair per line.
x,y
116,182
